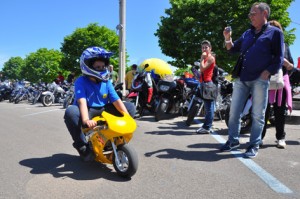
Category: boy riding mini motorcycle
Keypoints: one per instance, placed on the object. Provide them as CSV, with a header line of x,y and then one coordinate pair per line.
x,y
95,96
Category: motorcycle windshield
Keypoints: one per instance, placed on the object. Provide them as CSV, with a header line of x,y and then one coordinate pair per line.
x,y
165,86
120,125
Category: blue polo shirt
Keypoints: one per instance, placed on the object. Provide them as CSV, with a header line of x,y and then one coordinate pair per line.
x,y
96,94
265,54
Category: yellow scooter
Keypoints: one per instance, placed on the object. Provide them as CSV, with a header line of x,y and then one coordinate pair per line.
x,y
109,141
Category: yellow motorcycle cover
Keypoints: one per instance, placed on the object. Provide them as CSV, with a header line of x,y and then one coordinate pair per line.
x,y
157,66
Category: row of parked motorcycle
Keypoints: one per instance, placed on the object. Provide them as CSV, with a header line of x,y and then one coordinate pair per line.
x,y
178,96
181,96
46,93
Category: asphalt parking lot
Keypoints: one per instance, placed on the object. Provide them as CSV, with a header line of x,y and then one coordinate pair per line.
x,y
38,161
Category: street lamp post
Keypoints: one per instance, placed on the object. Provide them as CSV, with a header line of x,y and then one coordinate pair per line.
x,y
122,37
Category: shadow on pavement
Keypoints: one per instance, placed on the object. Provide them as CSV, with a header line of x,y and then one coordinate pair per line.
x,y
170,132
292,119
207,156
65,165
292,142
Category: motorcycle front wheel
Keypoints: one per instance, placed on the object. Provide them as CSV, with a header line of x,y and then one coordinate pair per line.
x,y
47,100
128,161
161,109
18,99
192,113
36,98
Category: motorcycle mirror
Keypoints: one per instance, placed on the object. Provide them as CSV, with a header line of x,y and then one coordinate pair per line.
x,y
146,66
196,63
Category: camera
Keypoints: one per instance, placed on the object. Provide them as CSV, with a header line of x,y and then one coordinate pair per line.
x,y
228,29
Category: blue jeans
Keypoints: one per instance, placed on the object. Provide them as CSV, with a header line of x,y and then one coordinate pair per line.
x,y
209,107
73,120
259,90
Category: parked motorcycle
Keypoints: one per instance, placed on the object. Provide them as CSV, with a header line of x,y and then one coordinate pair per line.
x,y
55,94
39,89
246,116
25,93
69,97
225,89
173,97
140,90
5,90
17,87
119,88
109,142
223,100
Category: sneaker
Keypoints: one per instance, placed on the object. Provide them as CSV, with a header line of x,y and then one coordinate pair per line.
x,y
228,146
86,154
251,152
281,144
202,130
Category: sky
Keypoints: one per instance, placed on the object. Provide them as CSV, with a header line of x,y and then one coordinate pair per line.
x,y
27,25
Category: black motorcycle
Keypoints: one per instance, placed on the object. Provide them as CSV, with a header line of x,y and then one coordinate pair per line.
x,y
5,90
223,100
173,97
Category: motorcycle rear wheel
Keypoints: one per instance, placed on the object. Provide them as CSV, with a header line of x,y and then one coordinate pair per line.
x,y
128,161
246,121
67,102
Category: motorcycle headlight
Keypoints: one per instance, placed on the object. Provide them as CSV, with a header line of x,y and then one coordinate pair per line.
x,y
164,88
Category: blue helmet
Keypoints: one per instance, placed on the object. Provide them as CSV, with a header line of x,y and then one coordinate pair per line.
x,y
89,56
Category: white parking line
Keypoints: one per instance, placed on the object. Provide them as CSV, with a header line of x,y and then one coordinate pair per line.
x,y
40,112
271,181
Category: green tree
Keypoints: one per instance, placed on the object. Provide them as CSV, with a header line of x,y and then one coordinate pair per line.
x,y
82,38
12,68
189,22
42,65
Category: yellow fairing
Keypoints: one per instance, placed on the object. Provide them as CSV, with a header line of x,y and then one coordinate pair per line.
x,y
117,126
159,66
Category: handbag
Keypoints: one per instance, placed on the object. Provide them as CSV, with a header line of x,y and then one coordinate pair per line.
x,y
276,81
237,67
208,91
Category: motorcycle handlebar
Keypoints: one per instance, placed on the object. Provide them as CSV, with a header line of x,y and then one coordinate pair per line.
x,y
100,124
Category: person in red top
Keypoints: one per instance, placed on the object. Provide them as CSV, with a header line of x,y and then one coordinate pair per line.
x,y
60,78
207,64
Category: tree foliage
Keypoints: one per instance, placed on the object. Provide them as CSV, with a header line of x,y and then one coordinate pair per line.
x,y
82,38
12,68
189,22
42,65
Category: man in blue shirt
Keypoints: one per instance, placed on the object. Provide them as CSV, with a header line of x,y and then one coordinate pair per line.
x,y
93,94
261,58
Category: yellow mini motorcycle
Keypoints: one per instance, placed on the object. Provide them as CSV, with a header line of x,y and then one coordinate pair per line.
x,y
109,142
